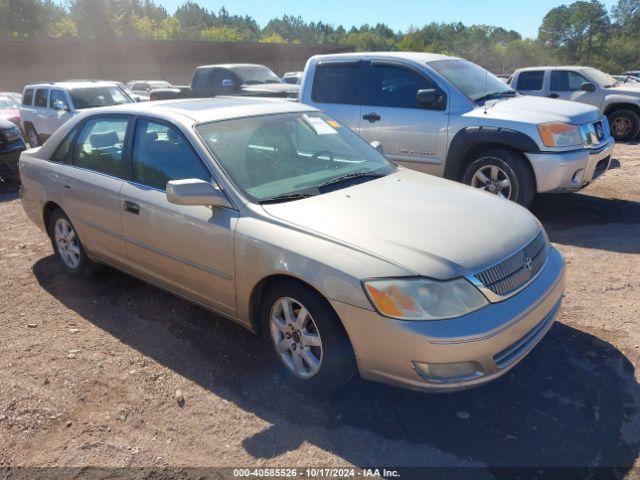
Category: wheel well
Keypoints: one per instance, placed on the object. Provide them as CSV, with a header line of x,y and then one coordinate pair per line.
x,y
619,106
47,210
478,148
255,300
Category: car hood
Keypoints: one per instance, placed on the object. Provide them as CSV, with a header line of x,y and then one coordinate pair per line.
x,y
430,226
626,88
532,109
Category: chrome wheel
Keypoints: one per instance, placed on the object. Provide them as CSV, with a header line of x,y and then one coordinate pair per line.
x,y
67,243
295,337
492,179
621,126
34,141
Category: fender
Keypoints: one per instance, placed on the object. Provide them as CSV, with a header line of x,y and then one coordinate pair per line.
x,y
471,137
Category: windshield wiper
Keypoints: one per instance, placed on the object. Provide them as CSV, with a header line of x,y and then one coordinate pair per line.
x,y
350,176
505,93
285,197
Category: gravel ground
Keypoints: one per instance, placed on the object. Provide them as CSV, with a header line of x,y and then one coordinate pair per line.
x,y
89,370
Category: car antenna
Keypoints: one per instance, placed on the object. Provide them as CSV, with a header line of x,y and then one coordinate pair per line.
x,y
486,87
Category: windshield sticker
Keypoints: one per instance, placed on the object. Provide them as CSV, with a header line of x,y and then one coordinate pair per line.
x,y
333,123
319,125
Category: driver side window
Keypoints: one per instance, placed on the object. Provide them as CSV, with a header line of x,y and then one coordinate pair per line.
x,y
398,87
566,81
161,153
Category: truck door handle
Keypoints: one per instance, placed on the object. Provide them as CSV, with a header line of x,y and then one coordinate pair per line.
x,y
67,187
371,117
553,95
131,207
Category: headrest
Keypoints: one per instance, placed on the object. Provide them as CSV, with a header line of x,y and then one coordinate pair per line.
x,y
103,140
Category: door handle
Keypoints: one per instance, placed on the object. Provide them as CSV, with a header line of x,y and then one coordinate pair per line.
x,y
553,95
131,207
371,117
67,187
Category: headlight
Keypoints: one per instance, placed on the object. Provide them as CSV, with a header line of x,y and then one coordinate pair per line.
x,y
424,299
560,135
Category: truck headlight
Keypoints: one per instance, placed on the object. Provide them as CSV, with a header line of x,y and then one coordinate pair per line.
x,y
424,299
560,135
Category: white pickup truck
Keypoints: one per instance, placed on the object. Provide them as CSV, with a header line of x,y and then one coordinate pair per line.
x,y
618,101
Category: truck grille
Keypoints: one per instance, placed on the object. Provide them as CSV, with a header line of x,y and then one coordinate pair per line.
x,y
517,270
594,133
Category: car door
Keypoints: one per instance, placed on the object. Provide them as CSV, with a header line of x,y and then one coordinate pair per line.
x,y
40,112
567,85
339,89
59,110
188,249
91,182
530,82
409,133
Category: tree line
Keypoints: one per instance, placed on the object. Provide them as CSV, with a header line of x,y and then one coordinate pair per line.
x,y
583,32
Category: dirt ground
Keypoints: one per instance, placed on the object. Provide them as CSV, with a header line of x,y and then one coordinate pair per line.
x,y
89,369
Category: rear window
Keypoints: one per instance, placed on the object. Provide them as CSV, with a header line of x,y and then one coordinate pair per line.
x,y
91,97
201,78
530,80
27,99
338,83
41,97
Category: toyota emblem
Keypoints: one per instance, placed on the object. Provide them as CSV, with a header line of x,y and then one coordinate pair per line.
x,y
527,263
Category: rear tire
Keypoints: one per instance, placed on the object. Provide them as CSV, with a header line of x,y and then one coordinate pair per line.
x,y
32,136
502,172
625,125
68,248
325,359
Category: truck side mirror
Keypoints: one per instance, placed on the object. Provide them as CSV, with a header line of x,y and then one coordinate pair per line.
x,y
432,98
227,84
588,87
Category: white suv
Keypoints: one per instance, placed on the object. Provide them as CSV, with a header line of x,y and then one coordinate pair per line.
x,y
46,106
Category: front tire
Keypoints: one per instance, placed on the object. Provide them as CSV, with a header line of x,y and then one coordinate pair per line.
x,y
625,125
67,246
503,173
32,136
306,339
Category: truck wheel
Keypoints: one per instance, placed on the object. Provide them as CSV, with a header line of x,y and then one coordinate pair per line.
x,y
306,339
625,125
32,136
503,173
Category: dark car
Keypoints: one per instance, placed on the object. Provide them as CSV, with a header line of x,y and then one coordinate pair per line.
x,y
11,145
234,79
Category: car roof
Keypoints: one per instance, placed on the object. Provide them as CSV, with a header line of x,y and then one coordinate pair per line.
x,y
557,67
208,110
420,57
73,84
231,65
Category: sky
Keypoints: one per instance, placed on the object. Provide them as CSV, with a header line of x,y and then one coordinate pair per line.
x,y
524,16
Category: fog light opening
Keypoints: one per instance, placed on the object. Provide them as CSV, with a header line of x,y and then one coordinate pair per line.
x,y
578,177
448,372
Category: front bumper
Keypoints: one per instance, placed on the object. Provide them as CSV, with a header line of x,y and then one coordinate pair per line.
x,y
9,161
570,171
494,338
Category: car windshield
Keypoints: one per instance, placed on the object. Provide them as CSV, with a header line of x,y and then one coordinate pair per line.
x,y
255,75
159,84
98,97
7,103
472,80
286,156
603,79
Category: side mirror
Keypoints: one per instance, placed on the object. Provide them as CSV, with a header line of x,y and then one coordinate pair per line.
x,y
60,105
432,98
193,191
378,146
227,83
588,87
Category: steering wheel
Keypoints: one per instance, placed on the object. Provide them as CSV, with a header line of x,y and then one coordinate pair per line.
x,y
328,153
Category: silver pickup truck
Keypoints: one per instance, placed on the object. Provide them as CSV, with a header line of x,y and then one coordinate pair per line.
x,y
620,102
449,117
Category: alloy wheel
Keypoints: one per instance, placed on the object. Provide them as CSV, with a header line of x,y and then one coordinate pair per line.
x,y
296,337
67,243
621,126
492,179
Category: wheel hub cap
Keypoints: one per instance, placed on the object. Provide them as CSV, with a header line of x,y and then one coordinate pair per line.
x,y
296,337
492,179
67,243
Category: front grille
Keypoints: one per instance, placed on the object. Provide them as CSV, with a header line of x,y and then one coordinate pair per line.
x,y
517,270
593,133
